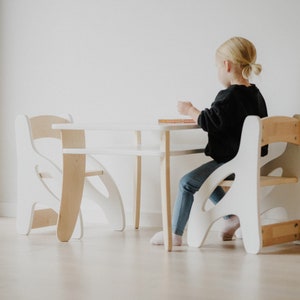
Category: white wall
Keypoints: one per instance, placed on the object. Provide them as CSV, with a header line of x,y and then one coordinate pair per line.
x,y
118,60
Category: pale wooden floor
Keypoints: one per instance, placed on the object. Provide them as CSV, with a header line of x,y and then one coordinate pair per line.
x,y
113,265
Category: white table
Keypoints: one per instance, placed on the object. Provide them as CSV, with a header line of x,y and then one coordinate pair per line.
x,y
75,150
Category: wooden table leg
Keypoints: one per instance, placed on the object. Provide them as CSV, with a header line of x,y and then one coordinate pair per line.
x,y
137,183
165,189
73,182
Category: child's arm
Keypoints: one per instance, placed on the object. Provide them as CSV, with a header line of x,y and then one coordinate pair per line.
x,y
187,109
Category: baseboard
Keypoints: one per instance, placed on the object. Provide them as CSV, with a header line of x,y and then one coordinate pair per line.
x,y
91,215
147,219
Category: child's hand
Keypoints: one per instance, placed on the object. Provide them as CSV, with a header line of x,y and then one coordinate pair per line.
x,y
183,107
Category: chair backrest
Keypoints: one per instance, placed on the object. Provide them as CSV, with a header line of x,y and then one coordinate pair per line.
x,y
280,129
36,138
41,126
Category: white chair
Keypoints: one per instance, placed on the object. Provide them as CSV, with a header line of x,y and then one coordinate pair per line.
x,y
246,197
40,177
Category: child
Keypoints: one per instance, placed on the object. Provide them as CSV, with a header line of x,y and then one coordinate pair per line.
x,y
223,121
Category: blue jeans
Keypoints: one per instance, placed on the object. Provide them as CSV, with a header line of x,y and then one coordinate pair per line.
x,y
188,186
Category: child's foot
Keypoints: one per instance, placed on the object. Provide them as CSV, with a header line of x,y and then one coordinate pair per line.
x,y
231,225
158,239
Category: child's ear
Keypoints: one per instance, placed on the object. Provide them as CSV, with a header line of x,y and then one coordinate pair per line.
x,y
227,64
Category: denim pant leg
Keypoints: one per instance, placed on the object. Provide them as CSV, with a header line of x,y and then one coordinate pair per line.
x,y
188,186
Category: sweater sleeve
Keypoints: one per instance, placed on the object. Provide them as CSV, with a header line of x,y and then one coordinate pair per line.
x,y
216,118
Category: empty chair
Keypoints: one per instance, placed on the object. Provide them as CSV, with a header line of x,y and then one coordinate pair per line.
x,y
40,177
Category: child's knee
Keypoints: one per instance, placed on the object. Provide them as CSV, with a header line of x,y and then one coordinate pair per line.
x,y
184,181
185,184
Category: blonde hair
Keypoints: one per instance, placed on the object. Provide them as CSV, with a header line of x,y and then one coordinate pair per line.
x,y
242,52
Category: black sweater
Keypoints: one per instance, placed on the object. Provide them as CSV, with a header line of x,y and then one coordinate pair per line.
x,y
224,120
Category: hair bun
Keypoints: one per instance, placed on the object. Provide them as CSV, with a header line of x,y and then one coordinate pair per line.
x,y
256,68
